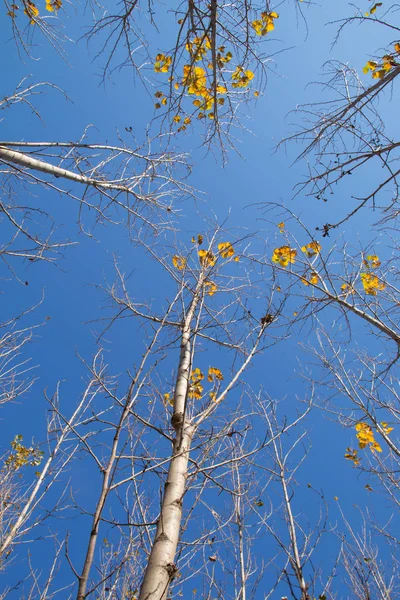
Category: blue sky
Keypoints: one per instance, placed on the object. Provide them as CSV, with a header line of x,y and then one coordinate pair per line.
x,y
237,191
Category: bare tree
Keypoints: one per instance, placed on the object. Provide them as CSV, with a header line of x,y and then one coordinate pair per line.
x,y
349,131
112,183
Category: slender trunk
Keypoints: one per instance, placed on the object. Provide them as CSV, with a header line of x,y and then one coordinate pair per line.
x,y
239,519
295,559
161,569
105,488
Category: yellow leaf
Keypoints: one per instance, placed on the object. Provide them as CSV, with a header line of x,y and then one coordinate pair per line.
x,y
311,249
386,428
375,447
168,399
179,262
375,6
196,375
370,66
213,372
380,74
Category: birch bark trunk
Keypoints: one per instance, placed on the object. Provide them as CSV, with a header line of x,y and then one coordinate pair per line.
x,y
161,570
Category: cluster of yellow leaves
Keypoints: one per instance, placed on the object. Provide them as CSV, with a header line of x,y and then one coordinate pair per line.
x,y
52,5
371,283
284,255
265,24
198,47
194,80
365,436
379,70
31,11
179,262
311,249
194,77
195,388
372,261
241,78
162,98
206,258
162,63
186,121
22,456
210,287
222,57
214,373
373,9
353,456
226,249
313,279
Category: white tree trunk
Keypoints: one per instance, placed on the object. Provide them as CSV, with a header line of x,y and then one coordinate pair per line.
x,y
26,161
160,569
